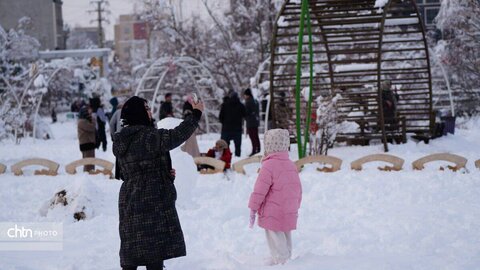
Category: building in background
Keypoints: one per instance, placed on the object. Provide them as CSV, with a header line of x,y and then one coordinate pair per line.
x,y
131,39
428,11
46,17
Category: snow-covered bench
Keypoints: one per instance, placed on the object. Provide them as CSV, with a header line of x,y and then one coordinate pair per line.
x,y
105,164
52,167
394,160
3,168
238,166
335,162
459,161
218,165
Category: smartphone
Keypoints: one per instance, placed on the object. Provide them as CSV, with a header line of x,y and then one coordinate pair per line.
x,y
194,98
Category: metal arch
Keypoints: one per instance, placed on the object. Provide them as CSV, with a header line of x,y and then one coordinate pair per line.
x,y
159,69
39,99
261,70
447,81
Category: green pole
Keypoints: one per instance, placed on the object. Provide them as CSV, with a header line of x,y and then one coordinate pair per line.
x,y
305,14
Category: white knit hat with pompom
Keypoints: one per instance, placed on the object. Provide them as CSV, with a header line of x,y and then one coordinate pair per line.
x,y
276,140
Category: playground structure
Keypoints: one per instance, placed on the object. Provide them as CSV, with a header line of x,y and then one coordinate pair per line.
x,y
218,165
152,87
335,162
458,163
353,46
52,167
31,98
395,161
107,166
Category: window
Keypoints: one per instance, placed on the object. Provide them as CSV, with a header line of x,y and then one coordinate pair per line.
x,y
430,14
419,1
433,1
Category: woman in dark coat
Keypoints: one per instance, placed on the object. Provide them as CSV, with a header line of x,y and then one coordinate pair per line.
x,y
149,227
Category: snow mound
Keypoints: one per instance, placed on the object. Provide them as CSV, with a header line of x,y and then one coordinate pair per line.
x,y
75,202
169,123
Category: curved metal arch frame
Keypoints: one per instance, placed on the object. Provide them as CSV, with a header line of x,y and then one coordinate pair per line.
x,y
39,99
184,63
349,14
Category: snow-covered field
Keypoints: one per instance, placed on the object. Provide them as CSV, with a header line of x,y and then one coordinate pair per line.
x,y
348,220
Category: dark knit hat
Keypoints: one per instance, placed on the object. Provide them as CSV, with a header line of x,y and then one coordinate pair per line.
x,y
134,112
84,114
247,92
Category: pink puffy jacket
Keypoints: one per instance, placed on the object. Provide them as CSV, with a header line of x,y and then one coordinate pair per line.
x,y
277,194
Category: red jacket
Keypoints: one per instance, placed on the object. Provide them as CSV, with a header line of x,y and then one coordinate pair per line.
x,y
226,156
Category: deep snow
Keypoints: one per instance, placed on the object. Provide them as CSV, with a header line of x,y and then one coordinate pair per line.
x,y
348,220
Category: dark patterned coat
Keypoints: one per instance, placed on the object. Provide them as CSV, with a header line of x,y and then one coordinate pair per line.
x,y
149,227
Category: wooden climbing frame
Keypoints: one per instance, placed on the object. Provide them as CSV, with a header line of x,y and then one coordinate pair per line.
x,y
356,46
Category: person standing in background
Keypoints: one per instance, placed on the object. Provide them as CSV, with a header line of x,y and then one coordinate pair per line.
x,y
253,120
101,120
86,135
191,145
231,116
166,108
116,126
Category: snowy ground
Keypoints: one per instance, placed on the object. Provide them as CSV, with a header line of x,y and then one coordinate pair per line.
x,y
348,220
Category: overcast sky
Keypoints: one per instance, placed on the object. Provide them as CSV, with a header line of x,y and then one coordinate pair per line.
x,y
75,13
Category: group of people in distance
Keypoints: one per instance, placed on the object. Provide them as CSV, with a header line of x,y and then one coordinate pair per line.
x,y
149,226
232,115
91,126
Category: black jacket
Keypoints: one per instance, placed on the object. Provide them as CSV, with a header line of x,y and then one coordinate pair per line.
x,y
231,115
149,227
252,113
166,109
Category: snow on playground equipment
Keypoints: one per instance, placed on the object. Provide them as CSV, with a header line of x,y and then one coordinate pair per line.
x,y
218,165
395,161
52,166
32,94
459,161
152,87
107,166
239,165
335,163
353,46
3,168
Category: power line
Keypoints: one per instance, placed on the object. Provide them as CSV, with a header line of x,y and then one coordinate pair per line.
x,y
100,7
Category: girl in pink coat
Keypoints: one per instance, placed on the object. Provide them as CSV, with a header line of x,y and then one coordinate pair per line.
x,y
277,196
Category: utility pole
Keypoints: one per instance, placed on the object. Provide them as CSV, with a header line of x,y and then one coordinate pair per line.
x,y
100,8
